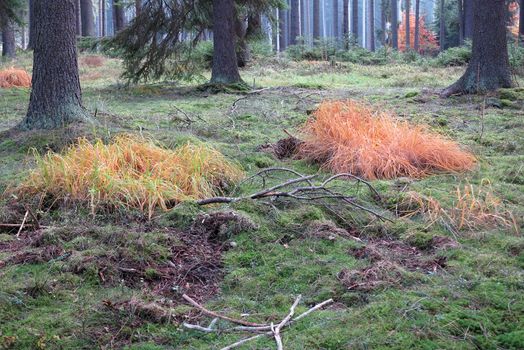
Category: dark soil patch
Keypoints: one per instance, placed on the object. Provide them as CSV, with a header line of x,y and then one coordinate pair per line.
x,y
390,260
220,226
285,148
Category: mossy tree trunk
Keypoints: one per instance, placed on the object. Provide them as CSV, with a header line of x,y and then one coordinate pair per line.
x,y
225,68
489,68
56,96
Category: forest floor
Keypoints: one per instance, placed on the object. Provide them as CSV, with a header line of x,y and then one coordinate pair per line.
x,y
115,281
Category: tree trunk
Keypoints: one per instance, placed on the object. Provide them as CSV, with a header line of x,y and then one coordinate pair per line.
x,y
442,31
521,22
383,22
282,29
394,24
56,98
78,15
489,68
335,19
225,68
461,21
119,18
354,20
254,26
8,39
88,19
468,19
242,50
103,18
371,14
316,19
417,26
294,31
138,7
408,25
345,22
31,43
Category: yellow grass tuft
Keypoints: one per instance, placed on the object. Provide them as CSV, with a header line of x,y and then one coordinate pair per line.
x,y
350,136
131,172
12,77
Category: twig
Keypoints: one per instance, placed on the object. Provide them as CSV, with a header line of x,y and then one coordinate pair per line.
x,y
277,329
33,216
22,225
214,314
245,340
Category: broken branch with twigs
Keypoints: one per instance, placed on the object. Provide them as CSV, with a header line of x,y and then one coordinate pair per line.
x,y
262,329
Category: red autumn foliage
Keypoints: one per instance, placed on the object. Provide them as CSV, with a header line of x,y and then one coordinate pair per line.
x,y
12,77
353,137
427,41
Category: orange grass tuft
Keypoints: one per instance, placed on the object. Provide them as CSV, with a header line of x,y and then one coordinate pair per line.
x,y
131,172
353,137
14,77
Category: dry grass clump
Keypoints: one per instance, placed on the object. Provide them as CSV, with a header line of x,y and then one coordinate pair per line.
x,y
92,61
473,208
12,77
350,136
131,172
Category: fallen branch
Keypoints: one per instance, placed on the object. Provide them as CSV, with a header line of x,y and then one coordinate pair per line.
x,y
267,330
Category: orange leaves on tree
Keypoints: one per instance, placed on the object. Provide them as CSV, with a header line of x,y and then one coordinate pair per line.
x,y
427,40
12,77
353,137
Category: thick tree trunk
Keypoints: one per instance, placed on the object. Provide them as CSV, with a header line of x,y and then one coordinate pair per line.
x,y
442,30
461,21
282,28
468,19
88,18
316,19
417,26
488,69
354,20
408,25
521,23
31,43
8,39
294,31
56,96
394,24
119,18
371,32
225,68
243,51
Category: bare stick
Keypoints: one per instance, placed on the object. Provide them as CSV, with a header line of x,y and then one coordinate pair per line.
x,y
314,308
243,341
276,331
214,314
22,225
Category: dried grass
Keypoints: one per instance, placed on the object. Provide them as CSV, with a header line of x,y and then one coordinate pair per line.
x,y
92,61
13,77
131,172
350,136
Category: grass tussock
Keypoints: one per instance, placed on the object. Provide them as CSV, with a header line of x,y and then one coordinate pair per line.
x,y
14,77
131,172
351,136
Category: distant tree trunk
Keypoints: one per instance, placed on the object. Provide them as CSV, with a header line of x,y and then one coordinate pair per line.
x,y
78,14
371,14
254,26
354,19
417,26
521,22
316,19
383,21
408,25
442,31
103,29
468,19
282,28
295,22
138,7
345,22
461,21
225,68
56,98
394,24
88,19
335,19
119,18
243,51
8,39
489,68
31,43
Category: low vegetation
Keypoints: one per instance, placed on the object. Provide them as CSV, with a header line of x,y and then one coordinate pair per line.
x,y
14,77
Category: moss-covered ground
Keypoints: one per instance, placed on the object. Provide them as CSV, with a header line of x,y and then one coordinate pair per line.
x,y
63,300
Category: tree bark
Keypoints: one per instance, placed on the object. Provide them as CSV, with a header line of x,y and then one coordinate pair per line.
x,y
521,22
88,19
254,26
225,68
56,98
345,22
442,30
461,21
383,21
468,19
8,39
243,51
489,68
282,28
119,18
316,19
31,43
354,20
78,16
294,31
394,24
138,7
371,14
103,18
335,19
408,25
417,26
